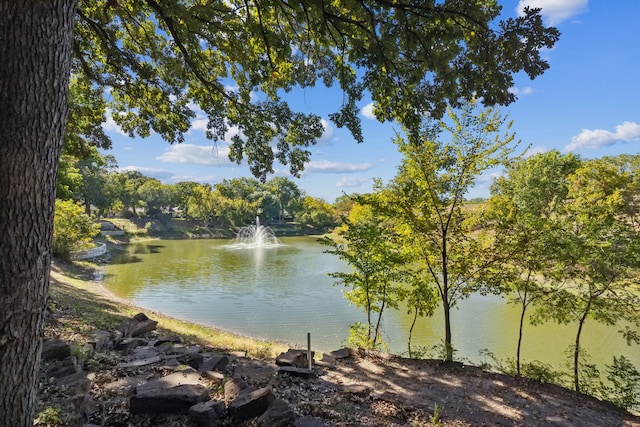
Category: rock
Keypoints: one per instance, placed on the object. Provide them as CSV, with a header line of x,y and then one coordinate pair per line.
x,y
194,360
68,366
130,343
207,414
185,349
308,421
55,350
255,369
168,339
177,399
139,325
213,376
186,376
327,361
107,226
101,341
297,372
78,383
296,358
170,364
279,414
251,404
138,363
233,388
143,353
174,393
215,363
342,353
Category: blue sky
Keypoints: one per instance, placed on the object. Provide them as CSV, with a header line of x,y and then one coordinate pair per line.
x,y
587,103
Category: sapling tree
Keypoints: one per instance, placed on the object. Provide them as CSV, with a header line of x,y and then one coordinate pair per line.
x,y
370,249
597,254
524,200
426,199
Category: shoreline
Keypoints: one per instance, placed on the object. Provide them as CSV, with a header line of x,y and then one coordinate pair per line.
x,y
61,275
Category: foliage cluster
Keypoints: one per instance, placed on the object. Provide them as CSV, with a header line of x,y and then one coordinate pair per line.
x,y
559,237
73,229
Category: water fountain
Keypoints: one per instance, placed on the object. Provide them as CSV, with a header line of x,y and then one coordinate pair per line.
x,y
255,236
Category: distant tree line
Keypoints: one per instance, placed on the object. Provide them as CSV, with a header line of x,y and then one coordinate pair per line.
x,y
94,181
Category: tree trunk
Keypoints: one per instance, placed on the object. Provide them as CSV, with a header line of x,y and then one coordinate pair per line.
x,y
576,350
448,344
35,61
520,328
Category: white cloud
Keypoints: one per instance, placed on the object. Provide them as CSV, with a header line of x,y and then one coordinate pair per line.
x,y
160,174
350,181
334,167
327,134
597,138
367,111
111,126
555,11
209,155
527,90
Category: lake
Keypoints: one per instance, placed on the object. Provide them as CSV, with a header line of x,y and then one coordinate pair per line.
x,y
283,292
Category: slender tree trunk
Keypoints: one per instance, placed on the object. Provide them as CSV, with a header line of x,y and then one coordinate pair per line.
x,y
576,350
35,61
379,322
520,328
446,304
523,313
413,324
448,344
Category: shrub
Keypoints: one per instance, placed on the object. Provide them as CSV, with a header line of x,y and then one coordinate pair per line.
x,y
72,229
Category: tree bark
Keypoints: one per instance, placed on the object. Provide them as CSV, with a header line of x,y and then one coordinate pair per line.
x,y
576,350
35,62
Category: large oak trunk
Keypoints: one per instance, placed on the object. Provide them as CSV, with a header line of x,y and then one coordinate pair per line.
x,y
35,61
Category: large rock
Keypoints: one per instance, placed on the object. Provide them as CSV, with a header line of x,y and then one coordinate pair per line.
x,y
55,350
207,414
342,353
279,414
176,399
185,377
255,369
215,363
173,393
195,360
137,363
295,358
251,404
137,326
233,388
101,341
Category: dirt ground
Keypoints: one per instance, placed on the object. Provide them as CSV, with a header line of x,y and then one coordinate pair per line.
x,y
468,396
378,389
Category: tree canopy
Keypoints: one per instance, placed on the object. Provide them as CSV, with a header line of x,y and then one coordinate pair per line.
x,y
158,63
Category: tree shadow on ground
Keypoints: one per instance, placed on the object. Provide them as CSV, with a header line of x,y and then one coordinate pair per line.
x,y
467,395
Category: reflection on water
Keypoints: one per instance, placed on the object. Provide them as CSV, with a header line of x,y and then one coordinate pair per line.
x,y
283,292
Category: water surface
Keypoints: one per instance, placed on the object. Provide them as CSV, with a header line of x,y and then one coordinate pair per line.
x,y
283,292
